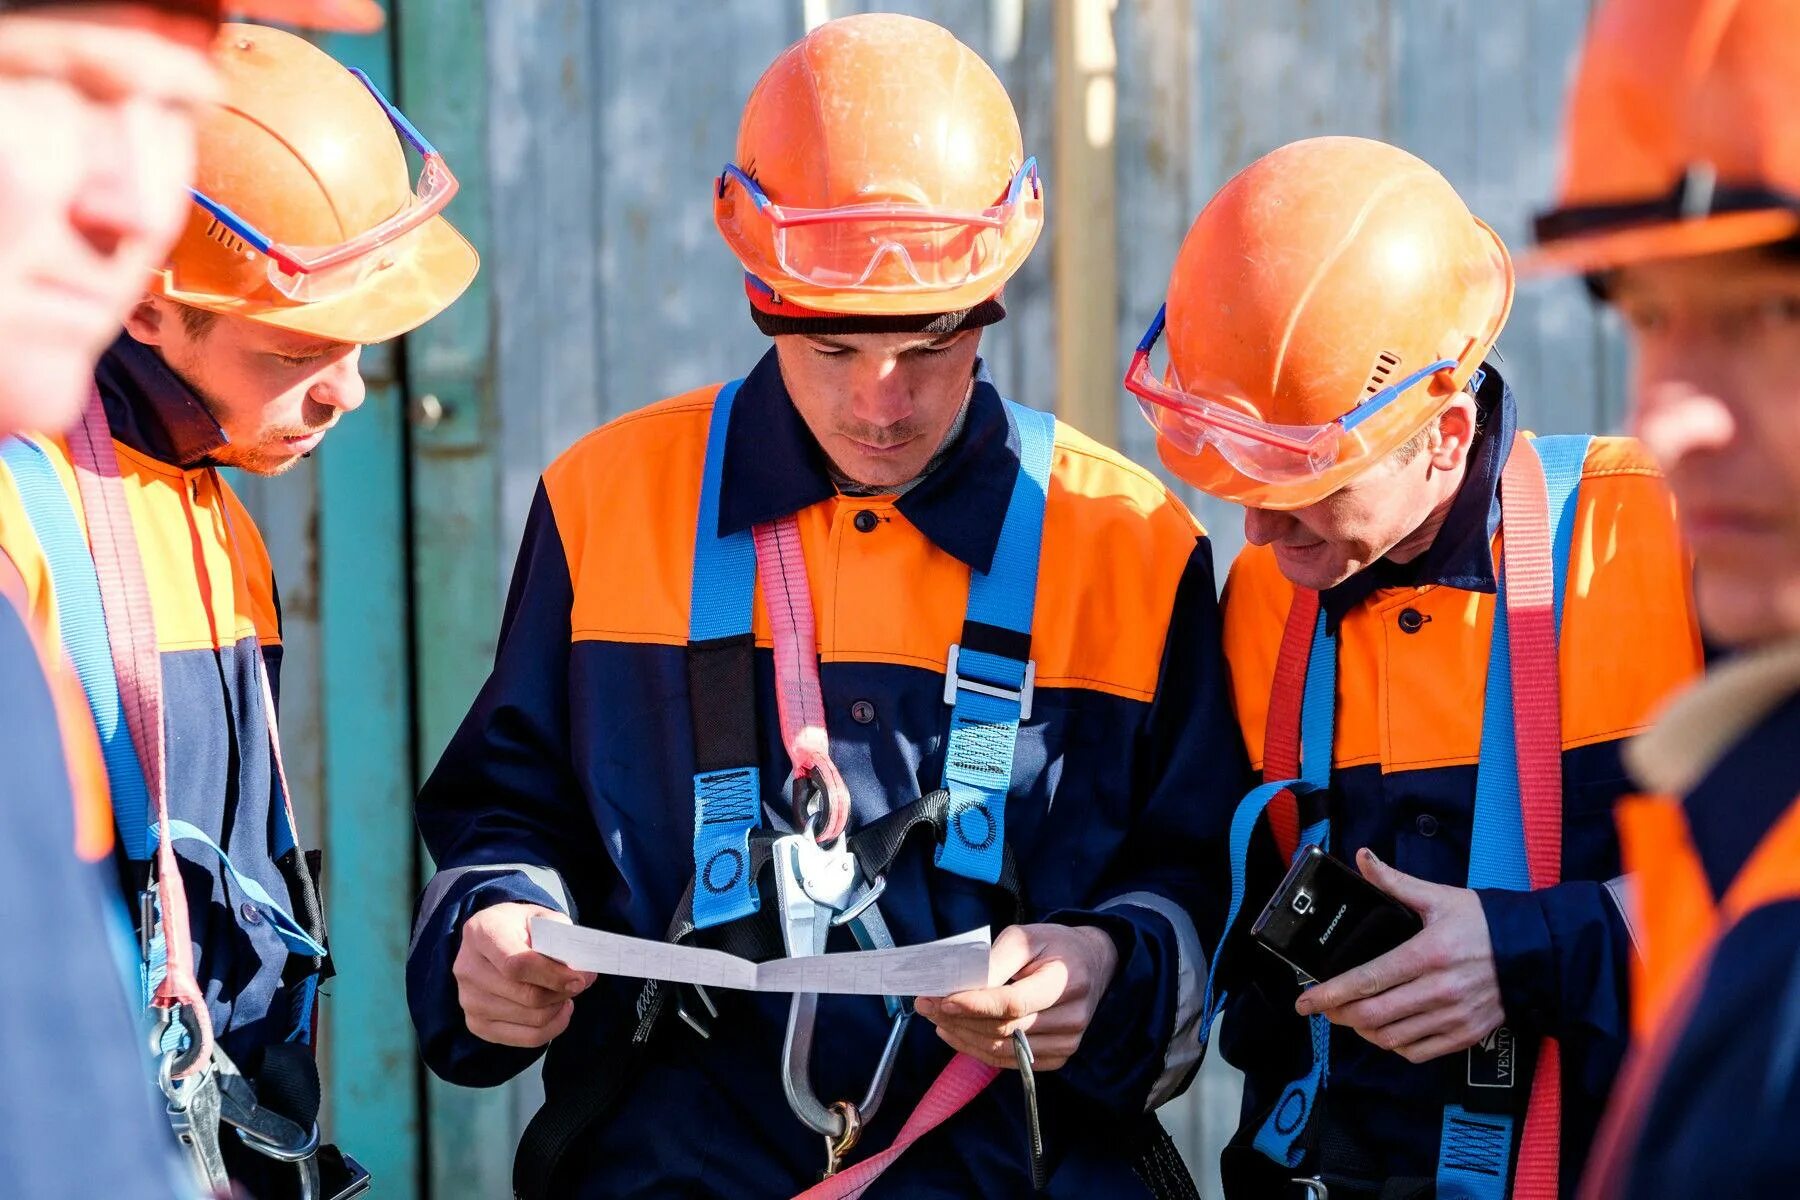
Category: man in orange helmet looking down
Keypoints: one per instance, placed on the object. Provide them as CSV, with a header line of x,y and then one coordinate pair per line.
x,y
1681,205
307,234
1440,635
985,655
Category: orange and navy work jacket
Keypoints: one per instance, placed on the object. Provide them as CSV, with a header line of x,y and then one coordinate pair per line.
x,y
69,1042
570,784
1711,1101
1412,671
213,597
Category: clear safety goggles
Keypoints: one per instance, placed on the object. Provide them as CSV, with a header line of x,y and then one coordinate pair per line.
x,y
1265,452
894,247
308,273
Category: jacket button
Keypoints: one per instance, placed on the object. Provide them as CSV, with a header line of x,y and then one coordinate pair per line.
x,y
252,915
866,521
862,712
1411,620
1427,825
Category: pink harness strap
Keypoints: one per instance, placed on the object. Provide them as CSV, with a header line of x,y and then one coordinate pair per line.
x,y
958,1083
781,565
131,635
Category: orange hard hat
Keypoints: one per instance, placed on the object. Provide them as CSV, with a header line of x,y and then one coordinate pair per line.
x,y
307,216
1326,304
347,16
879,170
1683,135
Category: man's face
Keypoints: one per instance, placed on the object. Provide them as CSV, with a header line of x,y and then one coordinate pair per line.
x,y
880,404
97,113
274,393
1393,509
1717,401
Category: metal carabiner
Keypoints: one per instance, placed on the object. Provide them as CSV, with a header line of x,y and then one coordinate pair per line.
x,y
813,884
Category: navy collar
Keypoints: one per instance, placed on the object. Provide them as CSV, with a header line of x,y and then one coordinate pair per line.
x,y
1462,554
774,468
151,409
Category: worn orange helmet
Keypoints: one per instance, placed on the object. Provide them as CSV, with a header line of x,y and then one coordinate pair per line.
x,y
1683,135
879,171
307,215
1326,304
347,16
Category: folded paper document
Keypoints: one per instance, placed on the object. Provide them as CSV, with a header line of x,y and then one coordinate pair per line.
x,y
940,968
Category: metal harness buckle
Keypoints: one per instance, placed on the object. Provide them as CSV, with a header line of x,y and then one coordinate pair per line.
x,y
953,681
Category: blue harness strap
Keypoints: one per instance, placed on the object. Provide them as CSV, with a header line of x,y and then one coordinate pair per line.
x,y
989,682
727,800
81,622
82,626
1475,1148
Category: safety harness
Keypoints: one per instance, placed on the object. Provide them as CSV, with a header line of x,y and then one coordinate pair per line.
x,y
1517,828
108,628
822,875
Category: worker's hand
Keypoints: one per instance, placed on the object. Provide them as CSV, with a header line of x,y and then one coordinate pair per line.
x,y
1435,994
1044,979
510,994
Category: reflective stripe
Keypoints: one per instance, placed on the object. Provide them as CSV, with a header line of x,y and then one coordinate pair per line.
x,y
1190,990
1623,890
438,890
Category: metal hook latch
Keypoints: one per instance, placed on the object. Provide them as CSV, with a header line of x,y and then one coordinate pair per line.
x,y
813,884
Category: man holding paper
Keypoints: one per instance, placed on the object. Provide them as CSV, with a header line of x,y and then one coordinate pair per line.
x,y
983,649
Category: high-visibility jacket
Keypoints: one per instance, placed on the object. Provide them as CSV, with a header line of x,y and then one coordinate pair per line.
x,y
1413,643
1711,1099
213,597
570,784
78,1116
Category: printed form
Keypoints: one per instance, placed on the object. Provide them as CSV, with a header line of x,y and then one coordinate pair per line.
x,y
940,968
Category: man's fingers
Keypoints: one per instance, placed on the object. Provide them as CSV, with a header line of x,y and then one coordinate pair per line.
x,y
485,1006
1417,894
507,1033
1403,964
1008,955
475,973
1414,1029
995,1052
1428,993
528,966
1437,1046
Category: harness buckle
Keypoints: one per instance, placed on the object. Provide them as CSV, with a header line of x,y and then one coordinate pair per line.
x,y
1312,1187
953,682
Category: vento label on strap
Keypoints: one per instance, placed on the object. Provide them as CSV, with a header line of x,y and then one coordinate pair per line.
x,y
1493,1061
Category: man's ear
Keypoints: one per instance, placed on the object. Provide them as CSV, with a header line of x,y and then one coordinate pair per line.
x,y
1455,433
148,321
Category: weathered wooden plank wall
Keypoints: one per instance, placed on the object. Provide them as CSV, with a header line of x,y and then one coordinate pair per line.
x,y
586,135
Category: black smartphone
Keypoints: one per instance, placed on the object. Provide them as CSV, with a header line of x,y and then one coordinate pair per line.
x,y
1325,918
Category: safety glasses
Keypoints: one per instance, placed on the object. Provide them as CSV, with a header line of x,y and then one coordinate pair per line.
x,y
308,273
885,246
1267,453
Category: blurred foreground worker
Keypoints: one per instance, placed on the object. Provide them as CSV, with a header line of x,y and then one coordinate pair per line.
x,y
987,647
1681,204
244,352
97,103
1439,637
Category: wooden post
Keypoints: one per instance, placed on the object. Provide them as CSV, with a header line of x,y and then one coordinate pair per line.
x,y
1083,200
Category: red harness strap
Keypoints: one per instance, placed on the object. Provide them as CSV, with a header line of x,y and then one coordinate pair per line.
x,y
131,633
1281,732
1537,722
1537,732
